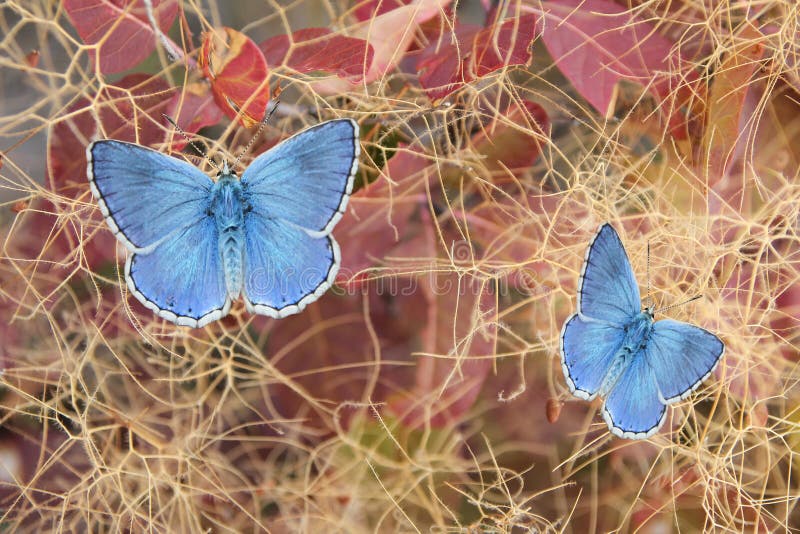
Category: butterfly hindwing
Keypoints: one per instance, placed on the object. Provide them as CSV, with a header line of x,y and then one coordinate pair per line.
x,y
633,408
587,351
607,290
307,179
182,279
681,356
285,267
143,194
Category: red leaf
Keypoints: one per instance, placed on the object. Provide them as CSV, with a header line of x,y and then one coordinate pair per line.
x,y
390,35
318,49
307,346
237,71
445,68
369,9
459,341
120,28
441,66
193,109
597,43
379,216
503,46
128,111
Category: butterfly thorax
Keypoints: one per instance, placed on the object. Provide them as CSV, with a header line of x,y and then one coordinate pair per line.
x,y
228,208
637,332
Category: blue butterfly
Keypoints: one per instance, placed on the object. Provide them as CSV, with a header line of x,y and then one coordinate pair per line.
x,y
612,347
196,244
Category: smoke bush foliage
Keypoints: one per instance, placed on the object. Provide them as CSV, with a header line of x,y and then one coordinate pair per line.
x,y
424,391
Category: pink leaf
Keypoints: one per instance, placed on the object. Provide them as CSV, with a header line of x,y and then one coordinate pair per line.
x,y
390,36
193,109
120,28
379,216
128,111
369,9
475,53
441,66
237,70
318,49
501,46
597,43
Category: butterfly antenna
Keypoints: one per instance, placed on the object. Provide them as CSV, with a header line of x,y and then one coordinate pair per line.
x,y
191,143
255,136
679,304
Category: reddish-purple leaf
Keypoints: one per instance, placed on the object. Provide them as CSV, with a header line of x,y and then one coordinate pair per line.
x,y
596,43
441,66
128,111
120,28
308,345
193,109
237,70
501,46
318,49
369,9
444,68
379,220
458,341
390,35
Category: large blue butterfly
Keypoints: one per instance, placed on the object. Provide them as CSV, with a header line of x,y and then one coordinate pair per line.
x,y
196,244
614,349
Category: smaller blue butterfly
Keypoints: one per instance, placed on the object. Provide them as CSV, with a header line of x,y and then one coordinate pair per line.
x,y
196,244
614,349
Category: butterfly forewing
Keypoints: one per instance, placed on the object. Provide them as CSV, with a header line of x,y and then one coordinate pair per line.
x,y
307,179
145,195
607,290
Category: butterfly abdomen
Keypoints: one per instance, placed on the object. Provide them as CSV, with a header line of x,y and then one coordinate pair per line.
x,y
228,209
